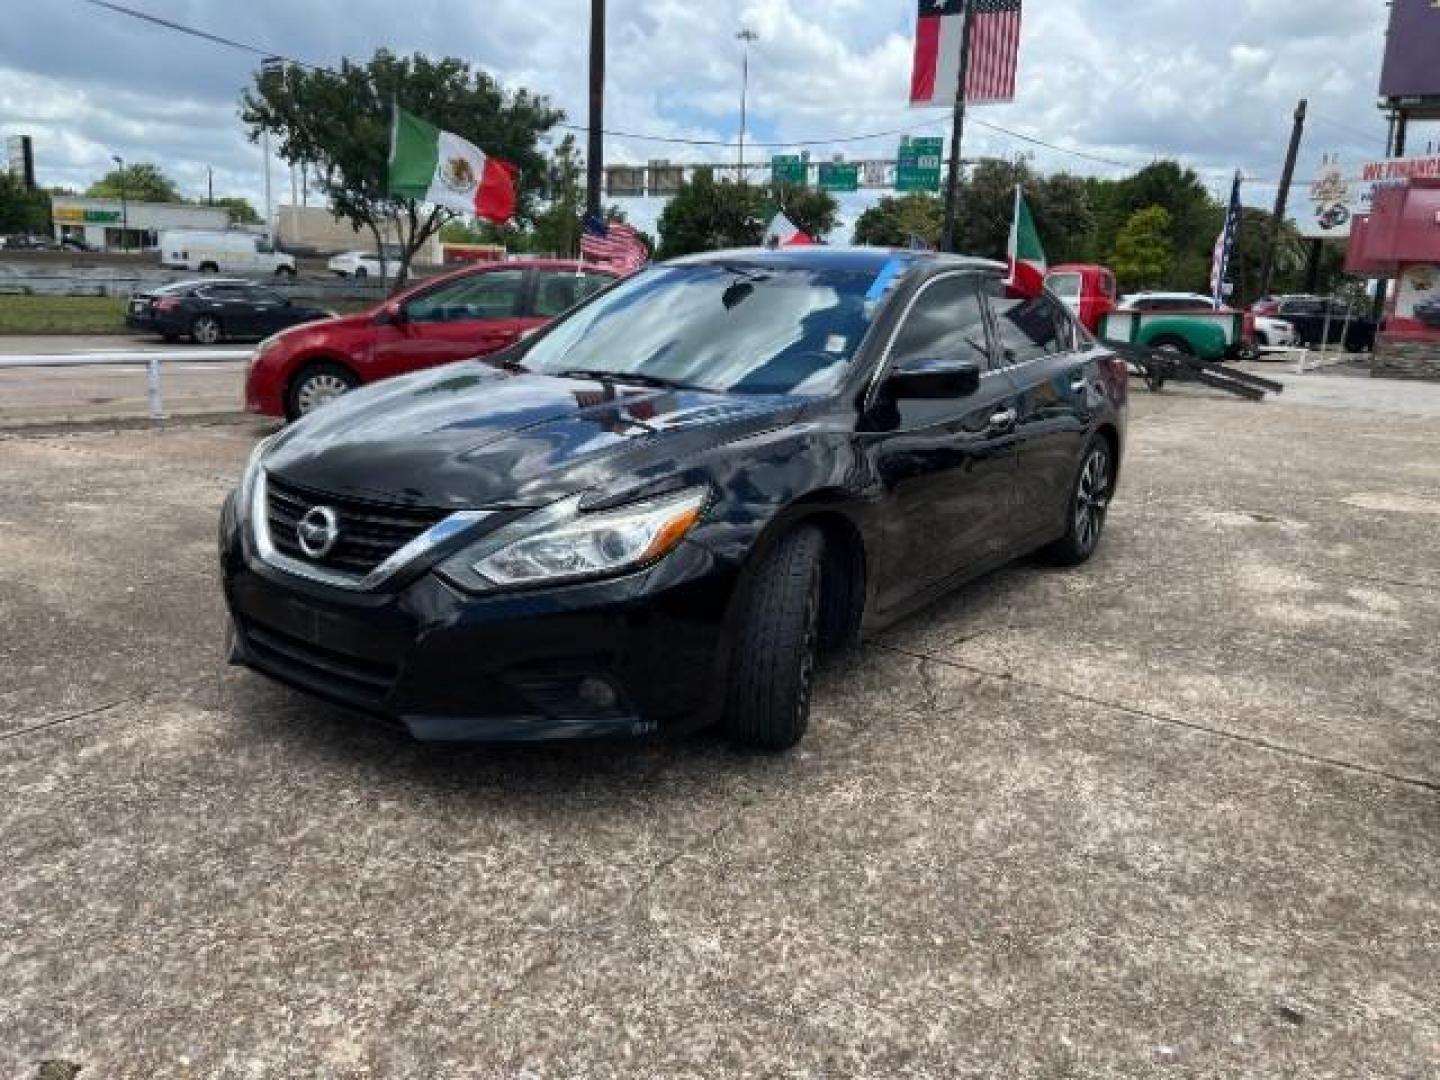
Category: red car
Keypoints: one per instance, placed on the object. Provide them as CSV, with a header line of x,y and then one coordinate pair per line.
x,y
473,312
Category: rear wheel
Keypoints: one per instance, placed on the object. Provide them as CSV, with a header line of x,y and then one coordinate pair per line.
x,y
316,385
1089,503
773,669
361,272
285,272
209,268
205,330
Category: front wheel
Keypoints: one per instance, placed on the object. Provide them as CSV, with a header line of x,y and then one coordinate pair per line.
x,y
285,272
317,385
1089,503
773,667
361,272
205,330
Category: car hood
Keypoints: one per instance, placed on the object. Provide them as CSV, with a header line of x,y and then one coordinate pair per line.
x,y
470,435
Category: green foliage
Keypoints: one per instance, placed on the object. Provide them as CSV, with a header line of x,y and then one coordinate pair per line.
x,y
22,211
1143,250
140,182
339,123
897,220
705,215
241,212
557,227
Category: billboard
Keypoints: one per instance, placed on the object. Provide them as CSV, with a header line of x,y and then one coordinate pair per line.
x,y
1338,194
1410,50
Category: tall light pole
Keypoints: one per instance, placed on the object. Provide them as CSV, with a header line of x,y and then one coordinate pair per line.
x,y
747,36
124,205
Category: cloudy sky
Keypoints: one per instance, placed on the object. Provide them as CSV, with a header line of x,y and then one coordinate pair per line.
x,y
1212,82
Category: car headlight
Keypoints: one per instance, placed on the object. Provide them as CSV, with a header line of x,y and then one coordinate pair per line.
x,y
562,544
247,478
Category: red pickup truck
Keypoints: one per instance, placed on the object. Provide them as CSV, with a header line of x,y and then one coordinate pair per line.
x,y
472,312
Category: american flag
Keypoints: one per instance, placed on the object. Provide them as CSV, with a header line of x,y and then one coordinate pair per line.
x,y
613,245
994,51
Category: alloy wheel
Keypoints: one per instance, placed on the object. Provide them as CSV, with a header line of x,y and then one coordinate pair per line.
x,y
319,389
1092,499
206,330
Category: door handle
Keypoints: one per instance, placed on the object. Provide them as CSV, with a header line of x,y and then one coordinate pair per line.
x,y
1003,420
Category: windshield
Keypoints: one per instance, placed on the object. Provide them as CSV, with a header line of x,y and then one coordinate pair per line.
x,y
737,328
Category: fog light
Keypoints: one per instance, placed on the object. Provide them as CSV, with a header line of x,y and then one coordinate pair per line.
x,y
597,693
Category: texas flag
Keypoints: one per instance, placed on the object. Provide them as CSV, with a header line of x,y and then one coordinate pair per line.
x,y
441,168
994,51
785,233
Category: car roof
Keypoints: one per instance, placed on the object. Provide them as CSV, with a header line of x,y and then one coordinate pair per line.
x,y
825,257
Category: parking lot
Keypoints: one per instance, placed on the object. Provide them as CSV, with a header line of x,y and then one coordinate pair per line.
x,y
1174,813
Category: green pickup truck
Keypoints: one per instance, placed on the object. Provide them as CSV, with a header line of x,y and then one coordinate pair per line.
x,y
1185,322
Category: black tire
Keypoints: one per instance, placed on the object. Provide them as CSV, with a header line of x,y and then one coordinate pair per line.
x,y
206,330
209,268
1088,503
285,272
361,272
772,672
170,338
315,381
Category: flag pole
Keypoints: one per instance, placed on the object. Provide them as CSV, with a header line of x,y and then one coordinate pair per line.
x,y
957,135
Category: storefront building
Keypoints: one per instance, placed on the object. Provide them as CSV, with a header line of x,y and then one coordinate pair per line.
x,y
116,225
1400,239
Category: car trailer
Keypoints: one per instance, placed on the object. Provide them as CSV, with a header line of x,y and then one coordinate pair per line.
x,y
1169,364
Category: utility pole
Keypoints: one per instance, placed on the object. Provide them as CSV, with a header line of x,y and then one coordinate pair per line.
x,y
124,206
957,135
748,37
1282,197
209,186
595,151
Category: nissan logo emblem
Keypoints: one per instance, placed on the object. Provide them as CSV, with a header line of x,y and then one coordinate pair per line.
x,y
318,532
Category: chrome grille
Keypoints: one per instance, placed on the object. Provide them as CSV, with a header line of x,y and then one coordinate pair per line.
x,y
369,532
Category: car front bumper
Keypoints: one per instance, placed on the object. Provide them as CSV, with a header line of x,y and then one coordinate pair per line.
x,y
622,657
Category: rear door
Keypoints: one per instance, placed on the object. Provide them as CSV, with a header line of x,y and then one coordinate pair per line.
x,y
557,291
1040,351
231,305
471,316
271,311
947,466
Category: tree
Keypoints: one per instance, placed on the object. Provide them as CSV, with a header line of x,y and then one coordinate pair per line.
x,y
557,227
1143,249
241,212
339,124
813,211
140,182
705,215
898,221
22,211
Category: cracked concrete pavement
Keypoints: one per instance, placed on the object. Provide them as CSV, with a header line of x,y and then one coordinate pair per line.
x,y
1174,813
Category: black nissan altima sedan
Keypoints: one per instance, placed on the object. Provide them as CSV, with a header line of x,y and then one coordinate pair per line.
x,y
658,510
207,312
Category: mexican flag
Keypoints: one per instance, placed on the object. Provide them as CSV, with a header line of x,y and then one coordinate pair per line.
x,y
440,167
1027,257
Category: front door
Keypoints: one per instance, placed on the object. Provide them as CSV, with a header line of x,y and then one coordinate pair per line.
x,y
1039,347
946,465
471,316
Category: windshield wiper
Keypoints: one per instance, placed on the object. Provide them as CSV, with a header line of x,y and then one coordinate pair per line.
x,y
659,382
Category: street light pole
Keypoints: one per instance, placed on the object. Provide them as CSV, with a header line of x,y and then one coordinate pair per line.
x,y
747,36
124,205
957,135
595,149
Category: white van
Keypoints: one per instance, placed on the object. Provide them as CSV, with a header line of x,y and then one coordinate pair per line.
x,y
222,252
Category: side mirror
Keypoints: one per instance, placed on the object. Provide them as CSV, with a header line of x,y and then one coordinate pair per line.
x,y
392,313
933,379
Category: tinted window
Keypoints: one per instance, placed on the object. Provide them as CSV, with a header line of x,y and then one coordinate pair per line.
x,y
224,292
748,328
946,323
1030,329
493,295
559,292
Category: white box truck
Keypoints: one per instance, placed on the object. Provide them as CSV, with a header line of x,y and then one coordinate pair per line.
x,y
222,253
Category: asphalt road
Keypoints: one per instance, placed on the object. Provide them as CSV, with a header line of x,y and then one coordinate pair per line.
x,y
1174,813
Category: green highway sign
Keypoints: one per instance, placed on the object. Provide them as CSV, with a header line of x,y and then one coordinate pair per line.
x,y
918,165
836,176
788,169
